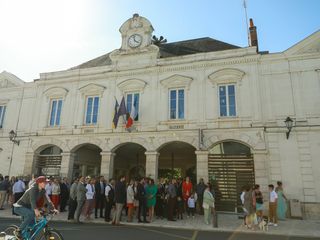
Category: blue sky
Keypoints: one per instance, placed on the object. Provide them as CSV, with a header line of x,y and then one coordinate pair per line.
x,y
43,36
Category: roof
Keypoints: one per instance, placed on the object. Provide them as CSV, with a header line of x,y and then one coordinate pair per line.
x,y
173,49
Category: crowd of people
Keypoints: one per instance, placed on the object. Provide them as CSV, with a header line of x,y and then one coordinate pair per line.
x,y
253,207
142,199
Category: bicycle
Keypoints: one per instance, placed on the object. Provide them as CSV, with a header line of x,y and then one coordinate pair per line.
x,y
40,230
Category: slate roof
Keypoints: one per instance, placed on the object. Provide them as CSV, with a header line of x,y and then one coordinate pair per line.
x,y
173,49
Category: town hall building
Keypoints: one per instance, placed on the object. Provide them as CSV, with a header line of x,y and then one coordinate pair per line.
x,y
204,108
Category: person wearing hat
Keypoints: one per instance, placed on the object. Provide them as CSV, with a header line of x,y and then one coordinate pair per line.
x,y
27,206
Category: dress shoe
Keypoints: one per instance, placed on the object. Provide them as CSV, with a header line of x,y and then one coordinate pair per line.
x,y
145,221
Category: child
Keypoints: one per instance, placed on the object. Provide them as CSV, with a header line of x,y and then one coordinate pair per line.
x,y
191,205
273,197
245,212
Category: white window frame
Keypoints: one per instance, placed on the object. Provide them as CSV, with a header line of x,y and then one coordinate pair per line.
x,y
2,115
227,99
133,93
50,110
177,104
86,108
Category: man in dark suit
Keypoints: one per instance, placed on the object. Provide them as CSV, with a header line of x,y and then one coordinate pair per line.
x,y
109,199
81,198
120,198
64,194
142,197
172,199
99,187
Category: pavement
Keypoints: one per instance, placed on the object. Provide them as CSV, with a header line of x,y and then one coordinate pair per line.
x,y
226,223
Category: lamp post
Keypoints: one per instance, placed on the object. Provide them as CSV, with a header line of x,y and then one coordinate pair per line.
x,y
289,125
12,137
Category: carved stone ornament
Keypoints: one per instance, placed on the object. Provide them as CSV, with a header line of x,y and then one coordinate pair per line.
x,y
56,92
92,89
225,76
135,23
177,81
132,85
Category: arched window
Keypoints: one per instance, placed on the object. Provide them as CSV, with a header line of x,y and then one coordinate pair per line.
x,y
230,148
49,161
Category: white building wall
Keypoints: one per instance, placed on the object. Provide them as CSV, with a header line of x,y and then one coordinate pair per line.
x,y
273,87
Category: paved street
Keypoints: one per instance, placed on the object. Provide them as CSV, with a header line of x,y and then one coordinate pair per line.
x,y
104,231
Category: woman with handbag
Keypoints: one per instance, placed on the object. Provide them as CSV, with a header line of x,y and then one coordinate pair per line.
x,y
208,204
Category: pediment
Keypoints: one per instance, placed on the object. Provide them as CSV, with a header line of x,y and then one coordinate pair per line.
x,y
176,81
134,23
8,80
132,85
92,89
226,75
308,45
56,92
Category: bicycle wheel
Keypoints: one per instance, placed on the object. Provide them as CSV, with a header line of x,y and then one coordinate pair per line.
x,y
51,234
10,230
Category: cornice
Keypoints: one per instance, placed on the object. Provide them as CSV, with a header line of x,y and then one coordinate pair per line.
x,y
104,73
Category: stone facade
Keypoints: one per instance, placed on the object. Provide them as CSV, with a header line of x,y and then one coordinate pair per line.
x,y
269,88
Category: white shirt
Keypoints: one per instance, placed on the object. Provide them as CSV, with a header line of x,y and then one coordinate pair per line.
x,y
273,196
242,197
106,192
191,202
130,194
90,191
18,187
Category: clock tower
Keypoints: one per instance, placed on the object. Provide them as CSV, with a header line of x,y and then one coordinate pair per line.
x,y
136,49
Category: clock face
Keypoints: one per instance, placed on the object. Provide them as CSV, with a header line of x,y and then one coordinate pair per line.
x,y
135,40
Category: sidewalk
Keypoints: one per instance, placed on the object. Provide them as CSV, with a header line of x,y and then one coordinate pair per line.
x,y
226,222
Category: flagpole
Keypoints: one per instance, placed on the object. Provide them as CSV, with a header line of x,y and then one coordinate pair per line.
x,y
246,16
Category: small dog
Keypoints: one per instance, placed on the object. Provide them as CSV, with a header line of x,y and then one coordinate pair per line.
x,y
263,225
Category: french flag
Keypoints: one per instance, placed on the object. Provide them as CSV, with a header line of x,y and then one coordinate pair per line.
x,y
133,114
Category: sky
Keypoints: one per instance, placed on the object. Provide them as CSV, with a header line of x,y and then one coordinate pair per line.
x,y
39,36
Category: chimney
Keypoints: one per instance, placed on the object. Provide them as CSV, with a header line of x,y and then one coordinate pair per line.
x,y
253,35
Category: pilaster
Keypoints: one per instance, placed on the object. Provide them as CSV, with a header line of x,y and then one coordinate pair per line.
x,y
28,164
202,165
152,164
67,163
107,164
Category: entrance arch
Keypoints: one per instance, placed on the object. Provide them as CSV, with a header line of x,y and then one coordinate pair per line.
x,y
48,161
129,160
87,160
230,167
177,159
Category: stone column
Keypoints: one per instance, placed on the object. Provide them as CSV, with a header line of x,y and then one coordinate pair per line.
x,y
261,168
84,169
67,165
202,165
107,164
152,165
29,164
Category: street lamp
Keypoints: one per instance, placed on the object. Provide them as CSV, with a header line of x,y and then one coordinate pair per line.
x,y
12,137
289,124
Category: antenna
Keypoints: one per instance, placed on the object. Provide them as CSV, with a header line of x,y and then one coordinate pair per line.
x,y
246,16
